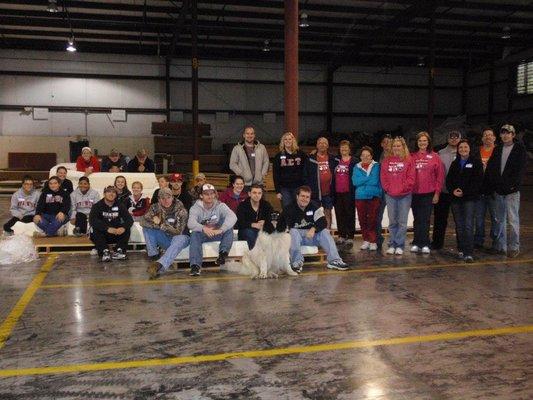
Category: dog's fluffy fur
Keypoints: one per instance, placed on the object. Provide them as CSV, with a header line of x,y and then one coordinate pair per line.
x,y
268,259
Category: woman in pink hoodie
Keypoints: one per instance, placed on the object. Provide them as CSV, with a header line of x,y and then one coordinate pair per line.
x,y
397,179
428,183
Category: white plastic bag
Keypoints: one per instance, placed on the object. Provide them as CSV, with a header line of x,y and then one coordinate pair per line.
x,y
17,249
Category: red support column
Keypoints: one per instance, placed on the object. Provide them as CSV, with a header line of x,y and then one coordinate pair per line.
x,y
291,66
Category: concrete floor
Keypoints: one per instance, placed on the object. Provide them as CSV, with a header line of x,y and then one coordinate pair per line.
x,y
416,327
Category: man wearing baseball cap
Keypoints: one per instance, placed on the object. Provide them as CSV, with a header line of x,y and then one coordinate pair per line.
x,y
165,226
141,162
504,174
442,208
209,220
114,162
110,223
176,185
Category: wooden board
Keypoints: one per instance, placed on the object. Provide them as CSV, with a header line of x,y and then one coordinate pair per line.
x,y
31,161
180,145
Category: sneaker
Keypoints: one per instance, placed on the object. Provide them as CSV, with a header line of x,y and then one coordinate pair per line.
x,y
221,260
373,247
365,245
338,265
94,252
77,232
426,250
348,242
297,266
62,231
195,270
469,259
415,249
118,255
460,255
106,256
390,250
398,251
513,253
154,270
340,240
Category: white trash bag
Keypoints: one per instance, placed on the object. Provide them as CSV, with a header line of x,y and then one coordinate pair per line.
x,y
17,249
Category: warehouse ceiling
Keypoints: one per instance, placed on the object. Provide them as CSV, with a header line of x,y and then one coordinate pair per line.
x,y
340,32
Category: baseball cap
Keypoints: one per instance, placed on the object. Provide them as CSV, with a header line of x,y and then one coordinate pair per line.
x,y
165,192
176,178
199,176
110,189
454,134
206,187
508,128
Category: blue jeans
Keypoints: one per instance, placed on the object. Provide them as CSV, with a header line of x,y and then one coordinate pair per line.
x,y
288,196
322,239
463,215
506,209
197,238
250,235
172,244
398,211
50,225
379,227
482,205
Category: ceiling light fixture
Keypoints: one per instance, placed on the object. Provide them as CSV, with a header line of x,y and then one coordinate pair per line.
x,y
52,6
71,45
304,23
421,62
266,46
506,32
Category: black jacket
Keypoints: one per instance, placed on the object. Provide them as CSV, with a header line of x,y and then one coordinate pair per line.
x,y
103,216
288,170
468,179
120,163
133,165
313,175
53,202
246,215
293,216
513,173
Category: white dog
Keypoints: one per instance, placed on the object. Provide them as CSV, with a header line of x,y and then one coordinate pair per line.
x,y
268,259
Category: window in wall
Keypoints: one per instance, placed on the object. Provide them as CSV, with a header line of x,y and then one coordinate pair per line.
x,y
524,78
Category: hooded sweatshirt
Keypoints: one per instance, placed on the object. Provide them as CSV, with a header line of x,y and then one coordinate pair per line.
x,y
23,204
366,181
288,170
103,216
397,176
83,203
53,203
429,172
82,165
219,216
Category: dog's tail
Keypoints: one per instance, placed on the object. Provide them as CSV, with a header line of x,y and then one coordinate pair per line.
x,y
235,267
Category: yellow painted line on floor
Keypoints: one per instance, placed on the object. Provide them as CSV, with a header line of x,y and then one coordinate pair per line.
x,y
178,281
9,323
276,352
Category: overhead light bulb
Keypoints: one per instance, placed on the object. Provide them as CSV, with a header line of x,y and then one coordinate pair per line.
x,y
266,46
304,23
506,32
71,46
52,6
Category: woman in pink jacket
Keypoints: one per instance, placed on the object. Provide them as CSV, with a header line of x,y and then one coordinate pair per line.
x,y
428,183
397,179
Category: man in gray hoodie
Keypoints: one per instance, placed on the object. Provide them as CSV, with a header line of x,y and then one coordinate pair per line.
x,y
81,202
209,221
249,159
23,204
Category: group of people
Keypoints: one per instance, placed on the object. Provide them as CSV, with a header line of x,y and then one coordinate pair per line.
x,y
471,181
88,163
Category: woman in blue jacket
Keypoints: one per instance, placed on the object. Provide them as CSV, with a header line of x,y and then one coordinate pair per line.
x,y
368,194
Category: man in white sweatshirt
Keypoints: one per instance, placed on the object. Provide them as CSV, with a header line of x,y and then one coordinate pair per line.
x,y
23,204
209,221
82,200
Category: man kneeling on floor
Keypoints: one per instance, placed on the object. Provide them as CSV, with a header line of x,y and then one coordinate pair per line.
x,y
164,225
209,220
307,226
110,223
